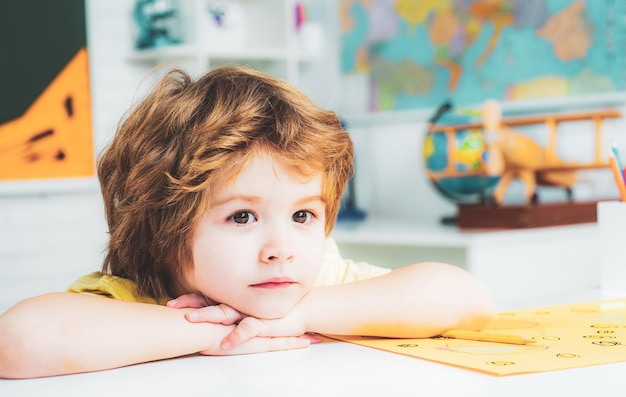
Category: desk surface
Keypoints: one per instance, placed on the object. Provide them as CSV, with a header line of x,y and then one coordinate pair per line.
x,y
330,368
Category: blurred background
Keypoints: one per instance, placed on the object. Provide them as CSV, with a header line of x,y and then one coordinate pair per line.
x,y
383,66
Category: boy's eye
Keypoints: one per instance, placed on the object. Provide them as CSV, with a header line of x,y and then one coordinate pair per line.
x,y
302,216
242,217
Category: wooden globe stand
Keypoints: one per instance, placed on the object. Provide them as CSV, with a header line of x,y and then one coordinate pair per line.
x,y
480,216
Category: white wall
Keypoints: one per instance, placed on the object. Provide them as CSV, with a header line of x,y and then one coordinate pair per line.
x,y
47,241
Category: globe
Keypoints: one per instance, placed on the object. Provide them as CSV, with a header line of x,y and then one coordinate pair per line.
x,y
456,160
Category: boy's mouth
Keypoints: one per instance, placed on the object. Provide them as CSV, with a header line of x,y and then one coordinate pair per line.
x,y
274,283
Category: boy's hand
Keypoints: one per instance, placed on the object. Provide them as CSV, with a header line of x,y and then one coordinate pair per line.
x,y
209,313
190,301
247,327
261,344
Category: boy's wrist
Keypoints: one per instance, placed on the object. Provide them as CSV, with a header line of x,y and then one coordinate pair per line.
x,y
307,308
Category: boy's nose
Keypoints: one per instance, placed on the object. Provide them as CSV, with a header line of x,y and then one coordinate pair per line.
x,y
278,247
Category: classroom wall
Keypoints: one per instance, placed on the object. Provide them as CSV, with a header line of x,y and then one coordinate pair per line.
x,y
48,239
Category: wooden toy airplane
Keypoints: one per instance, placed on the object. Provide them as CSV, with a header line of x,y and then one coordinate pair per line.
x,y
516,156
513,155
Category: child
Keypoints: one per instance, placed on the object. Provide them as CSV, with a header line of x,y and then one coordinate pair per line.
x,y
223,192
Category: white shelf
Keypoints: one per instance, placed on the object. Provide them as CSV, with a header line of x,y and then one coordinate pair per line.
x,y
383,231
394,233
274,48
189,51
158,54
248,53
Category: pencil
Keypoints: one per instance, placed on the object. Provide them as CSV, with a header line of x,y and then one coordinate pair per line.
x,y
486,337
617,174
618,160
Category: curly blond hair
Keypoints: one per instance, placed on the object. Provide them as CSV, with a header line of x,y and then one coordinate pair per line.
x,y
156,176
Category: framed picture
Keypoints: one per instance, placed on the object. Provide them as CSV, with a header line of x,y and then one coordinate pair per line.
x,y
46,133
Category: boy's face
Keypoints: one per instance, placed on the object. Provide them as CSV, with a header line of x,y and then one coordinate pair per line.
x,y
260,247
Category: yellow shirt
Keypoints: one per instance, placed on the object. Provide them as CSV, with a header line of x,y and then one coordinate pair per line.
x,y
335,270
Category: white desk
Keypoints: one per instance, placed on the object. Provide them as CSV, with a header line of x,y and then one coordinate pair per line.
x,y
331,368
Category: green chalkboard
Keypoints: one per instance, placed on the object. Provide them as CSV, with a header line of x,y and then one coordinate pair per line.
x,y
37,39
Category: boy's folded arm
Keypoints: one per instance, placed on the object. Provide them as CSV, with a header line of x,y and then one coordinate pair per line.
x,y
67,333
419,300
416,301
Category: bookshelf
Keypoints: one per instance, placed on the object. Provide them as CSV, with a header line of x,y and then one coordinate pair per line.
x,y
265,35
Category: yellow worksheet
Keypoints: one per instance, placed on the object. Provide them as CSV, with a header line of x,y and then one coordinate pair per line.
x,y
565,336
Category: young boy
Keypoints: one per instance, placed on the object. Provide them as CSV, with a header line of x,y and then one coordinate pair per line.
x,y
223,192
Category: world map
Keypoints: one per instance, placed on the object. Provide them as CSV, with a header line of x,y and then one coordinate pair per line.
x,y
421,53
